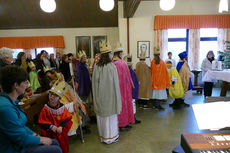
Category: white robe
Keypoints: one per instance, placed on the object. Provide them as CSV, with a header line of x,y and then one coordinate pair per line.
x,y
108,128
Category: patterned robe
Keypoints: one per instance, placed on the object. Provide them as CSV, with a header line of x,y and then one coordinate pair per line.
x,y
125,81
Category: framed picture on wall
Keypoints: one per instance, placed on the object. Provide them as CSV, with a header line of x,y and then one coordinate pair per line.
x,y
83,43
143,46
96,40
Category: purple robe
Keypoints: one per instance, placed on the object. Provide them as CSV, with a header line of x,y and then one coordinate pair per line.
x,y
135,83
83,79
125,82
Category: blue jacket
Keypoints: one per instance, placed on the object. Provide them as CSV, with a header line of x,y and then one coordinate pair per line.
x,y
14,135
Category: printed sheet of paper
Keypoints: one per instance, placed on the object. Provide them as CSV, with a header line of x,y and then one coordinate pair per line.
x,y
212,115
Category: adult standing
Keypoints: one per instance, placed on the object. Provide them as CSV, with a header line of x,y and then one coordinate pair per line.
x,y
52,61
64,68
160,80
45,58
107,98
58,61
125,81
6,57
21,60
170,59
207,65
145,82
15,136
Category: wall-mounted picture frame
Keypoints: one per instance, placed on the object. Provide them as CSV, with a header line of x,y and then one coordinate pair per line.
x,y
83,43
96,40
143,46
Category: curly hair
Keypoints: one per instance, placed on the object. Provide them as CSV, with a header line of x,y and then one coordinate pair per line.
x,y
104,59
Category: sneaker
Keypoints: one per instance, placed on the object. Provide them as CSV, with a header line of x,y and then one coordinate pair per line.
x,y
186,105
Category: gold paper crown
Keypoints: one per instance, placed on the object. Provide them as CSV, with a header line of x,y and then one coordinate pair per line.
x,y
59,88
142,55
118,47
128,59
104,47
46,69
156,50
31,64
81,53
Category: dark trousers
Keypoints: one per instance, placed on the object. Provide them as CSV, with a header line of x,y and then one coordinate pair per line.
x,y
156,102
53,148
208,88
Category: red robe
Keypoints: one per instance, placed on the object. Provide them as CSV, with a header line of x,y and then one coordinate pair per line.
x,y
56,117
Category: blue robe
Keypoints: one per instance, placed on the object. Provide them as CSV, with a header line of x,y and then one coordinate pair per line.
x,y
135,90
83,79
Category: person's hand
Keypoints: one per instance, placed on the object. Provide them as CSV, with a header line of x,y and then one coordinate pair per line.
x,y
45,141
53,128
59,129
35,134
39,70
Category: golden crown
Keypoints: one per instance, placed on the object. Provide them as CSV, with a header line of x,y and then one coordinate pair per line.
x,y
118,47
46,69
59,88
31,64
105,47
81,53
156,50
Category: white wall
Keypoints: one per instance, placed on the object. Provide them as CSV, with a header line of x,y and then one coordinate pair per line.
x,y
141,25
68,33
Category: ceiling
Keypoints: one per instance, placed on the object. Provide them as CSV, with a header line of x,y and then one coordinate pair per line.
x,y
20,14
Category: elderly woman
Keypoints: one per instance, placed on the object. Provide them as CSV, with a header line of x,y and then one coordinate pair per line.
x,y
15,136
207,65
6,57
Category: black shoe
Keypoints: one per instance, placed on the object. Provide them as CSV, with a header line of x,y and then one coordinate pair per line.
x,y
137,121
128,126
186,105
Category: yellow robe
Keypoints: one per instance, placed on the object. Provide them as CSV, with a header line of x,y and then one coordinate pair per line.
x,y
176,91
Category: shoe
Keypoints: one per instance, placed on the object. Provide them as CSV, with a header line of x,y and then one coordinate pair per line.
x,y
186,105
137,121
128,126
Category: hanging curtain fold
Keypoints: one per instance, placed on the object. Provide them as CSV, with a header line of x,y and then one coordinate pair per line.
x,y
194,49
191,21
161,42
32,42
222,37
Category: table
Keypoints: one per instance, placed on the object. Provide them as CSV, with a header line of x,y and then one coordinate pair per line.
x,y
213,76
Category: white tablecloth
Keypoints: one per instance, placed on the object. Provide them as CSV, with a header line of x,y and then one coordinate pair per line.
x,y
213,76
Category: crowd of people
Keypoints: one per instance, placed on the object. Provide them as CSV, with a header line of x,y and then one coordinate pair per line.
x,y
107,94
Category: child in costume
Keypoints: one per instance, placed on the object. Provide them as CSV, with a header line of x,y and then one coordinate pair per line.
x,y
33,76
135,89
54,118
176,89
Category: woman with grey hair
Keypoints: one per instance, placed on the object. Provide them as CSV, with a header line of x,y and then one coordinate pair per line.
x,y
207,65
6,56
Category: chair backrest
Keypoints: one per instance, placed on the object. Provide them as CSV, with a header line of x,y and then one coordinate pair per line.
x,y
33,108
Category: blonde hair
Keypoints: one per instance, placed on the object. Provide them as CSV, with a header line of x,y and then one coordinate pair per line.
x,y
6,52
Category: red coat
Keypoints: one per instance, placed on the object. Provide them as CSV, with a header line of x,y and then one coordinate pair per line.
x,y
56,117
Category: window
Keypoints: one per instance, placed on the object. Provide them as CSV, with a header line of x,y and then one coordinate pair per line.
x,y
208,41
16,51
177,42
49,50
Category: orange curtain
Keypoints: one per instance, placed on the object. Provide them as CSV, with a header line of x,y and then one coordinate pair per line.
x,y
191,21
32,42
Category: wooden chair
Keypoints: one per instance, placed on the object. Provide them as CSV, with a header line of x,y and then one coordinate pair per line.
x,y
33,108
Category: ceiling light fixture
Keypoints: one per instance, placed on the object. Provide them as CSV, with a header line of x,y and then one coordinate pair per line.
x,y
167,5
223,6
106,5
48,6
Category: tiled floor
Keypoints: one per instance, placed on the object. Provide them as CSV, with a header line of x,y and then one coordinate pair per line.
x,y
159,131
